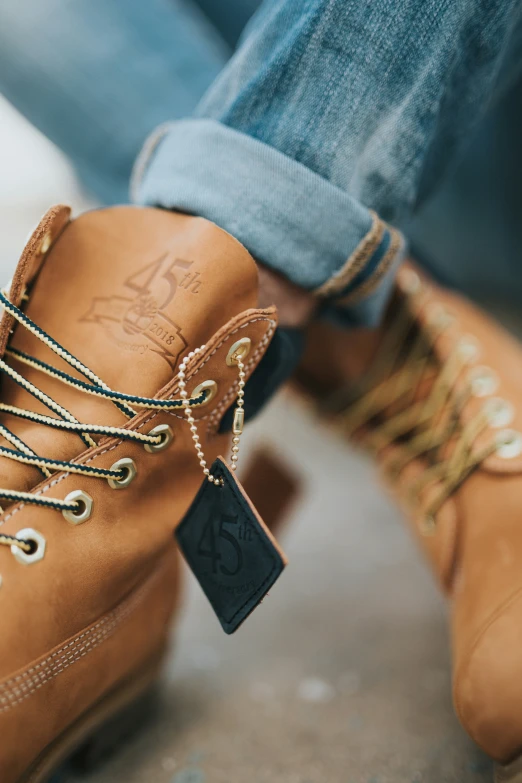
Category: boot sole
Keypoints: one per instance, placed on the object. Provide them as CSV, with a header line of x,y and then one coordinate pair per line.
x,y
512,773
98,731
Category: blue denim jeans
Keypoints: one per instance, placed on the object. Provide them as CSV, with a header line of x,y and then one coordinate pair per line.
x,y
330,133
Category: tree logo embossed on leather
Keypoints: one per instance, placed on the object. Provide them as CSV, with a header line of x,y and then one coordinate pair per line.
x,y
228,547
136,320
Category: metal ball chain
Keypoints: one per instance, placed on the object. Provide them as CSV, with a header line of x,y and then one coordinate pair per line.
x,y
239,415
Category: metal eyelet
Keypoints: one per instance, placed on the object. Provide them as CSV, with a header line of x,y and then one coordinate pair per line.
x,y
410,281
130,471
239,350
483,381
439,317
469,348
167,436
210,387
499,412
46,243
37,554
509,444
85,507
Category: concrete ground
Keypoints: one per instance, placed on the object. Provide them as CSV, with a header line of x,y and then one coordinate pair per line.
x,y
343,674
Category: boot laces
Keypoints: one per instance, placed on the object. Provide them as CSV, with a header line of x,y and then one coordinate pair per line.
x,y
63,420
412,401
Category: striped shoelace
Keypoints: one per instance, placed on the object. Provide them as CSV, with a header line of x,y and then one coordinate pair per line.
x,y
63,420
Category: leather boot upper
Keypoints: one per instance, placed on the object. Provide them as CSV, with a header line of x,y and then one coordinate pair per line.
x,y
437,400
130,292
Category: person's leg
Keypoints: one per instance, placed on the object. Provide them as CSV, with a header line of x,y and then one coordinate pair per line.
x,y
331,118
97,77
229,16
476,215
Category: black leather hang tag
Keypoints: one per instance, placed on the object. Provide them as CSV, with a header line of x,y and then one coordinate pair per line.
x,y
227,545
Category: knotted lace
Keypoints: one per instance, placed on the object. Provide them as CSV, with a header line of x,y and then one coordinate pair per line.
x,y
65,421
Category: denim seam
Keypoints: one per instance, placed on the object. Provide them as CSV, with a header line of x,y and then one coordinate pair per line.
x,y
359,258
146,153
356,254
368,287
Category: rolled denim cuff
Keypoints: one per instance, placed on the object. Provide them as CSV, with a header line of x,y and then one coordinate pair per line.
x,y
288,217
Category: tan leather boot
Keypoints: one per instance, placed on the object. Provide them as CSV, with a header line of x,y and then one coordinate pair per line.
x,y
435,396
94,482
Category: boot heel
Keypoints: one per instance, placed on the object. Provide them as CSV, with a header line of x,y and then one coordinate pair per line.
x,y
512,773
114,733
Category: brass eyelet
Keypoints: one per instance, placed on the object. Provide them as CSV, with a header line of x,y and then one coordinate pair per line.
x,y
239,350
469,347
85,507
410,281
210,387
483,381
130,470
439,318
499,412
167,436
46,243
37,554
509,444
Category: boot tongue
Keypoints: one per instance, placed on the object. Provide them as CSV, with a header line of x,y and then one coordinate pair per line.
x,y
128,291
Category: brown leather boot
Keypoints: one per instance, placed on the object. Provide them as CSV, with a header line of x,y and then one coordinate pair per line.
x,y
94,481
435,396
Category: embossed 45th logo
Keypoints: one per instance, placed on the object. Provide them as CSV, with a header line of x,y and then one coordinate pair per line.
x,y
140,313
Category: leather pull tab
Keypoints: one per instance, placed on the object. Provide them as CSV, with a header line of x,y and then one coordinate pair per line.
x,y
230,550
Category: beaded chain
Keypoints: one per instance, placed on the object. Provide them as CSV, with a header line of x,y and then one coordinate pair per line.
x,y
239,415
